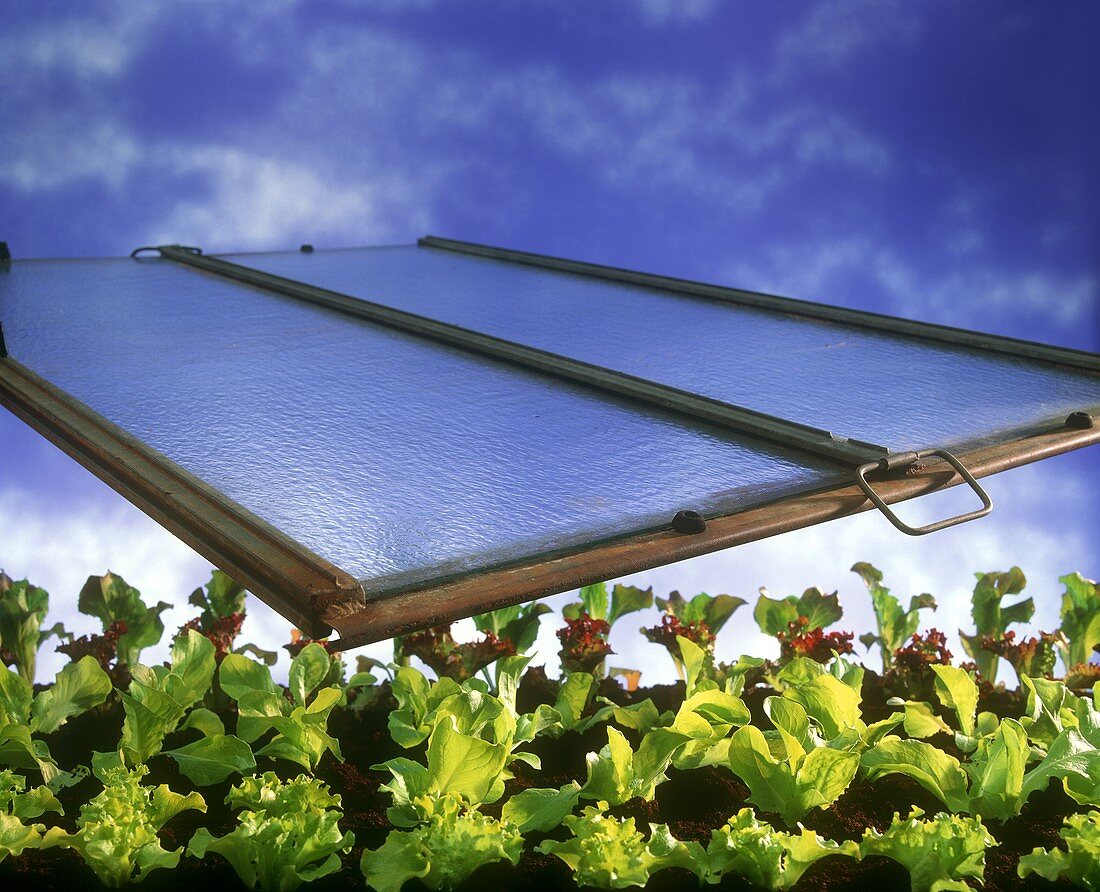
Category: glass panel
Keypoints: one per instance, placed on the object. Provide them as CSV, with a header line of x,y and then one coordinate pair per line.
x,y
390,456
900,392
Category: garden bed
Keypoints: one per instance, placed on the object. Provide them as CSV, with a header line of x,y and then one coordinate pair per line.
x,y
572,741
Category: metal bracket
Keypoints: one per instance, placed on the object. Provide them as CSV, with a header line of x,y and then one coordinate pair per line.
x,y
908,459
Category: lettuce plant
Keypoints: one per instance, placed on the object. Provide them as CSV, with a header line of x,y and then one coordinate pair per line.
x,y
1080,619
23,608
763,856
158,703
609,853
940,853
443,852
222,606
78,687
518,625
911,672
617,773
1079,862
111,600
287,834
1034,657
449,659
698,620
995,782
794,778
471,743
813,609
991,618
588,623
300,721
895,624
117,830
17,804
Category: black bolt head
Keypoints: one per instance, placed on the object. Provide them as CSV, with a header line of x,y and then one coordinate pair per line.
x,y
306,249
1080,421
688,522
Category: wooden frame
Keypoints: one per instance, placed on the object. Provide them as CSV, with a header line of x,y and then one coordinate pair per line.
x,y
318,596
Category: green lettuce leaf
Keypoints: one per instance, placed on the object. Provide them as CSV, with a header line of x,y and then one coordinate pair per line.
x,y
1079,863
608,853
444,852
940,853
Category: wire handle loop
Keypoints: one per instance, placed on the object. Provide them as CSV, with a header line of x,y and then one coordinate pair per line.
x,y
899,460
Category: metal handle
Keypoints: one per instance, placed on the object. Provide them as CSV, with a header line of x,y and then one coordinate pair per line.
x,y
907,458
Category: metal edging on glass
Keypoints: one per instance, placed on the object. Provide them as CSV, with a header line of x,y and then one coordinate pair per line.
x,y
959,337
433,602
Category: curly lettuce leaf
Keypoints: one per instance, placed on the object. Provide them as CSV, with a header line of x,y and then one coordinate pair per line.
x,y
287,835
1079,863
609,853
442,853
940,853
117,830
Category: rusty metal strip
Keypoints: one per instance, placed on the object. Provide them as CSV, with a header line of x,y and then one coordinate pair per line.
x,y
959,337
434,603
284,574
746,422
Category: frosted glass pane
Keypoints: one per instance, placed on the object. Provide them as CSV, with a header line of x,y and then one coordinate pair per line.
x,y
392,457
903,393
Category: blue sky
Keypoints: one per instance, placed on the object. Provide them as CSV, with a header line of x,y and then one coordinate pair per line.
x,y
930,160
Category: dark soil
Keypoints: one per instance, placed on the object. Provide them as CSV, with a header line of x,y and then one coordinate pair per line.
x,y
693,803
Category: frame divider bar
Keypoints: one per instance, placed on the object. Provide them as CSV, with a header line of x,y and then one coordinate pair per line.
x,y
778,431
959,337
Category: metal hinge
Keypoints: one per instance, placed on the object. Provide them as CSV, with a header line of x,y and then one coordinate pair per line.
x,y
906,460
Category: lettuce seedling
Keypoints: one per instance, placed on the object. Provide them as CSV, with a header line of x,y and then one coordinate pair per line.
x,y
616,773
699,620
442,853
17,804
112,601
23,608
995,782
763,856
287,834
774,616
223,611
1080,619
78,687
793,778
117,830
910,674
991,618
157,703
940,853
1034,657
518,625
468,757
1079,863
449,659
895,625
300,722
588,623
609,853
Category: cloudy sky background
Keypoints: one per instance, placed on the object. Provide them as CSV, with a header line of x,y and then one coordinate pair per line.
x,y
931,161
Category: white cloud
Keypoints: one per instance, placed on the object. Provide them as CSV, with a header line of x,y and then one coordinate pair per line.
x,y
260,201
995,295
657,13
836,30
51,149
92,45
